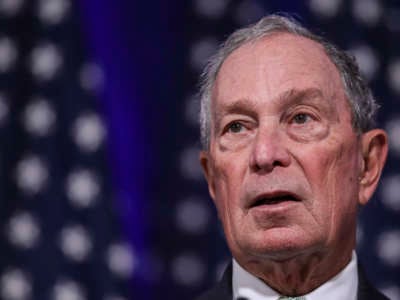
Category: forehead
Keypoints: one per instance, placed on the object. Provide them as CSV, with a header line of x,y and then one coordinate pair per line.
x,y
265,69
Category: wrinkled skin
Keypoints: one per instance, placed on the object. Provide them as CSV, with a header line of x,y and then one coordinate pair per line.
x,y
281,130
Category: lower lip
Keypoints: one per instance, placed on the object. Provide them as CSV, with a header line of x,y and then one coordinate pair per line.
x,y
279,207
268,216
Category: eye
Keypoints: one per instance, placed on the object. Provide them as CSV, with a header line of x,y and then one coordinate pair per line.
x,y
301,118
235,127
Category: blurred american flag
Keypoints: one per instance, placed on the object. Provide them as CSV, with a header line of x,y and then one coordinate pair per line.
x,y
61,237
102,196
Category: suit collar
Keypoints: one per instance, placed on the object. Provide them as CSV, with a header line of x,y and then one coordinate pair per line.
x,y
365,290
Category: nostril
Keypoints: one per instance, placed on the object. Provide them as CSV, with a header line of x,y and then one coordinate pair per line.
x,y
266,166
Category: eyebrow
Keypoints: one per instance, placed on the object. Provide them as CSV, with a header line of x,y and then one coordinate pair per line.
x,y
309,96
290,97
240,106
296,96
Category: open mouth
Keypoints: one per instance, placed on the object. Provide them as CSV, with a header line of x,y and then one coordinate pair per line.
x,y
271,200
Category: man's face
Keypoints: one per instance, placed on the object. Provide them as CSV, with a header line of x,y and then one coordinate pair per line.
x,y
284,162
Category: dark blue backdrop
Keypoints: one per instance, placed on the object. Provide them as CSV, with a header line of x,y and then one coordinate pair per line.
x,y
152,53
153,200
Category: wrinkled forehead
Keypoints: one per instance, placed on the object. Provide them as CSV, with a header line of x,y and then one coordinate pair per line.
x,y
275,64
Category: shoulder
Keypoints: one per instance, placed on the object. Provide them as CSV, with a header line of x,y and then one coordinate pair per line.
x,y
222,290
212,294
366,291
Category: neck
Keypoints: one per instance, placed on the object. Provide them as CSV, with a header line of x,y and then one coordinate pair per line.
x,y
298,275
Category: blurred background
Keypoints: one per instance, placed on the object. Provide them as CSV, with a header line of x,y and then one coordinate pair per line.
x,y
101,193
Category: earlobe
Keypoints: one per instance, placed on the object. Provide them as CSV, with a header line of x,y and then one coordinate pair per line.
x,y
374,150
205,162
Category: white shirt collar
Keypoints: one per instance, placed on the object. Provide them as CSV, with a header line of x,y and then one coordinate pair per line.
x,y
342,286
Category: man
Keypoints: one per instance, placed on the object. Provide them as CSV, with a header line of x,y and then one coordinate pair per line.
x,y
290,153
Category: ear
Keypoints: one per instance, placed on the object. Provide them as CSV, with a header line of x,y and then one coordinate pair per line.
x,y
374,151
206,164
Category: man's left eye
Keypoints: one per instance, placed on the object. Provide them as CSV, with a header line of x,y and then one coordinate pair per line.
x,y
301,118
235,127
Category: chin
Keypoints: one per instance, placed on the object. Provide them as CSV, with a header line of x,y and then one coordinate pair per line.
x,y
278,244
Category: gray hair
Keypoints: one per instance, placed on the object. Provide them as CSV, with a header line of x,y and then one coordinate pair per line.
x,y
362,102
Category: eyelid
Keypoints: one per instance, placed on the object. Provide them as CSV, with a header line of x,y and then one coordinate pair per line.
x,y
310,116
242,122
227,127
310,111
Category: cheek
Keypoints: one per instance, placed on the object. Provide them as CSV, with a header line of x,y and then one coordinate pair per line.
x,y
333,178
229,169
343,169
226,192
335,163
229,175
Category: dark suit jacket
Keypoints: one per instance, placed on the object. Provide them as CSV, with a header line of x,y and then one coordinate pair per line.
x,y
223,289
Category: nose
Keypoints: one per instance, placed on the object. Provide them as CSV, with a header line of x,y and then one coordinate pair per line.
x,y
269,151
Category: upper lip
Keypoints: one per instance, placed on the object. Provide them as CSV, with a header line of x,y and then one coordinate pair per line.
x,y
270,197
